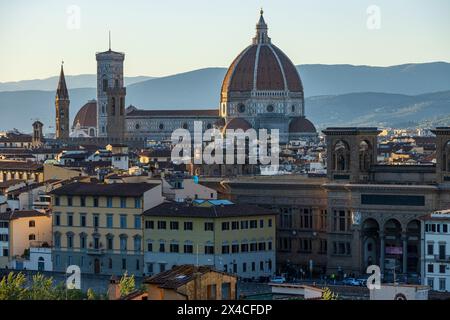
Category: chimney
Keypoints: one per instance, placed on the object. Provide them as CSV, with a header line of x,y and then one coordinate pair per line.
x,y
114,288
197,285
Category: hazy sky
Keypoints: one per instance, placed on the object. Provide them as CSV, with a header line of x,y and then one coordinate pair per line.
x,y
171,36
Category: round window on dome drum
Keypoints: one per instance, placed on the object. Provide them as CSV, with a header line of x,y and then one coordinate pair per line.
x,y
137,126
241,108
185,125
209,126
270,108
161,126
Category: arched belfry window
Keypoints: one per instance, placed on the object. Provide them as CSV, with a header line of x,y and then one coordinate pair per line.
x,y
113,106
341,156
365,155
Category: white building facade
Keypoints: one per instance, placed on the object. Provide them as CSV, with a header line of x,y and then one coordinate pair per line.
x,y
436,250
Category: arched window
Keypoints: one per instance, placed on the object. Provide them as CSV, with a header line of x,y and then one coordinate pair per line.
x,y
32,224
365,156
446,157
41,264
341,156
113,106
92,132
32,237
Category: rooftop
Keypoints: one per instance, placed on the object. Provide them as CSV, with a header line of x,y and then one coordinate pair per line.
x,y
99,189
176,209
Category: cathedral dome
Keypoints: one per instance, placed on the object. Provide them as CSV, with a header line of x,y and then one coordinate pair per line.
x,y
301,125
238,123
261,67
87,115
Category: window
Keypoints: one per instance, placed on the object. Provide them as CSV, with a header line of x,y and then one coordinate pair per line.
x,y
83,220
161,225
95,202
430,249
123,243
137,222
225,226
253,266
173,225
137,244
341,220
32,237
442,251
244,224
110,243
188,225
430,268
244,247
261,265
261,223
105,84
57,240
123,221
109,221
138,264
262,246
149,224
235,225
305,245
211,292
235,248
69,201
269,245
162,247
225,249
174,248
82,241
286,218
137,203
209,249
209,226
96,220
109,202
70,219
270,223
253,247
32,224
150,246
82,201
69,241
188,248
244,267
444,228
57,201
123,202
442,284
124,264
253,224
110,263
306,218
442,268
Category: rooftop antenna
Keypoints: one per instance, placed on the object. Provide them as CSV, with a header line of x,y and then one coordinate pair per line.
x,y
109,40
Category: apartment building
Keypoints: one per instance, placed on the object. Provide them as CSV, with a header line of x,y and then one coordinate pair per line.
x,y
99,226
436,248
234,238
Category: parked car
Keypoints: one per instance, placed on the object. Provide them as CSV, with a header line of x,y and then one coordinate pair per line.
x,y
351,282
278,279
362,282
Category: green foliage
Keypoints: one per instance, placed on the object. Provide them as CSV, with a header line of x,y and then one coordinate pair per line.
x,y
12,287
126,284
91,295
329,295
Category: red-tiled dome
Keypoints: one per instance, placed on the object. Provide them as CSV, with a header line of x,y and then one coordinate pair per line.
x,y
87,115
301,125
261,66
238,123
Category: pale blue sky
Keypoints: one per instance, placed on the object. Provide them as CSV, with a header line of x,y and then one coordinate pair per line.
x,y
166,37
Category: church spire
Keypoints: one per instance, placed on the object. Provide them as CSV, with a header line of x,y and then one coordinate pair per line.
x,y
261,30
61,92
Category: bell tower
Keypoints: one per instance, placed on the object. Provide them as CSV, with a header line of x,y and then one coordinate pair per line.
x,y
62,103
111,94
442,154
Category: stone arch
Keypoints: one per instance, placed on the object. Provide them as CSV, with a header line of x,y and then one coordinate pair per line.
x,y
365,155
341,155
371,242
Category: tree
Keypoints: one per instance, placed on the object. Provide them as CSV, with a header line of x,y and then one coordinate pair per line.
x,y
329,295
91,294
41,288
126,284
12,287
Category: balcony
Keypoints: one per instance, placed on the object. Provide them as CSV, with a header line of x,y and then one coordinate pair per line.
x,y
95,251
